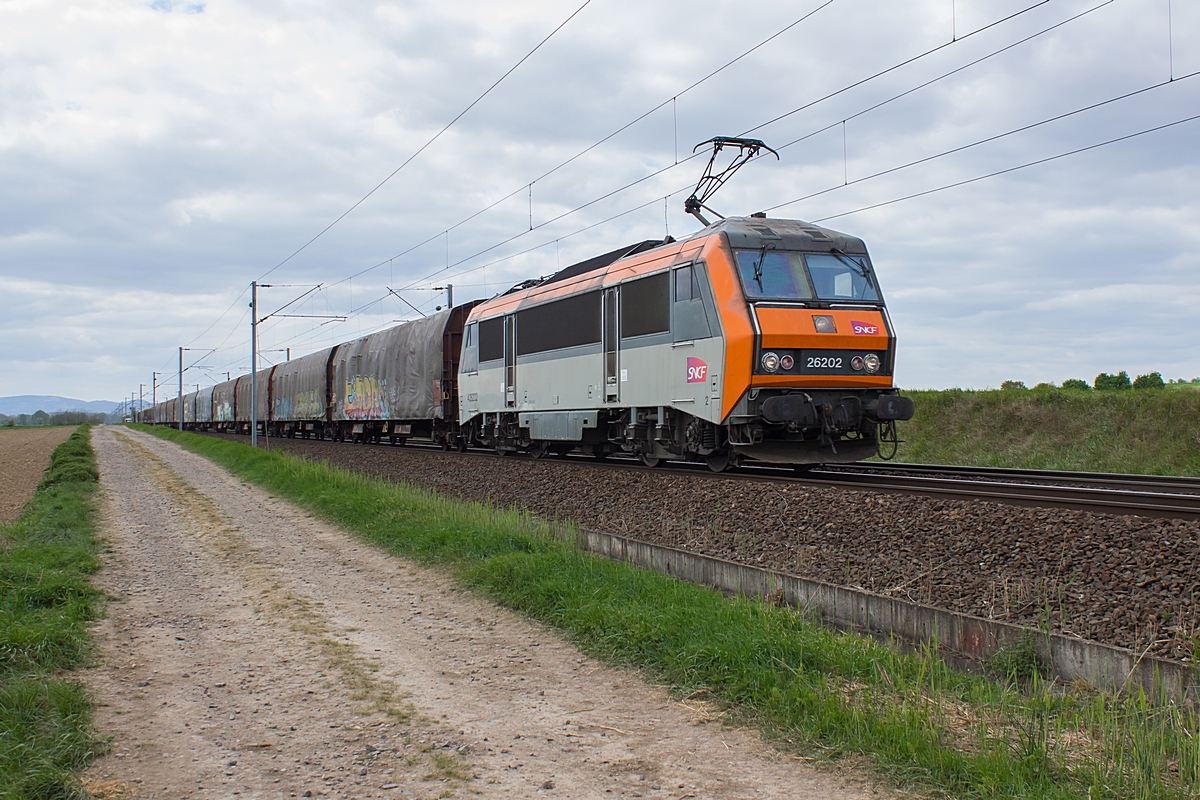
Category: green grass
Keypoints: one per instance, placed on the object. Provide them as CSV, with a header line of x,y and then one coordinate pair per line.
x,y
1136,431
828,694
46,557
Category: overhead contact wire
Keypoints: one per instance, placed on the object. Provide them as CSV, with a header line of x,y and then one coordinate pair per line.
x,y
673,100
691,157
435,137
987,140
1026,165
692,86
593,146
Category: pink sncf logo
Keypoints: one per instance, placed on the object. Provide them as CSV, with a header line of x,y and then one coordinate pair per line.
x,y
697,371
864,328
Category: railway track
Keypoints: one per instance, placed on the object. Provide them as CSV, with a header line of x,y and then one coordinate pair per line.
x,y
1140,495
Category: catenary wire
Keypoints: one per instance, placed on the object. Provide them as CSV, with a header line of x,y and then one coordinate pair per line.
x,y
894,67
987,140
945,75
956,184
1026,165
810,104
435,137
689,88
544,175
594,145
661,171
919,161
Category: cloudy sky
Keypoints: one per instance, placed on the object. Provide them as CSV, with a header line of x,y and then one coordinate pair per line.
x,y
157,157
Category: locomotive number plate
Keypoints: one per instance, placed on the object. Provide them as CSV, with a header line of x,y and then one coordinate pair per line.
x,y
833,362
823,362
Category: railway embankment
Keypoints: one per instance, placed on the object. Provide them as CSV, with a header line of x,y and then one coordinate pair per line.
x,y
1153,431
1127,581
47,556
823,693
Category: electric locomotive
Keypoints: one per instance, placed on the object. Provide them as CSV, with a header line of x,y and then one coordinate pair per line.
x,y
754,338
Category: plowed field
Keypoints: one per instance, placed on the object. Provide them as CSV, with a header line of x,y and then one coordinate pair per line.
x,y
24,456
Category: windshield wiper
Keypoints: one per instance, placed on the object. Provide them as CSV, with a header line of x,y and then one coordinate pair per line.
x,y
859,269
758,273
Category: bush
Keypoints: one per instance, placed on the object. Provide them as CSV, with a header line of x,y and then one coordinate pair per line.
x,y
1151,380
1043,387
1010,385
1118,381
1075,383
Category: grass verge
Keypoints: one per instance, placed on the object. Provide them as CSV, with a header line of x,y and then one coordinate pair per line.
x,y
46,603
1155,431
828,694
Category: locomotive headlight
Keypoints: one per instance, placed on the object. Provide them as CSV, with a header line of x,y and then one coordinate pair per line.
x,y
856,363
824,324
871,361
787,362
770,362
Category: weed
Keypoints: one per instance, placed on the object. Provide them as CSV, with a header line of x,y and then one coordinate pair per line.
x,y
1018,662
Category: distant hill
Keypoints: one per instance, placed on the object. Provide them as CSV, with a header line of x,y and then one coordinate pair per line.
x,y
30,403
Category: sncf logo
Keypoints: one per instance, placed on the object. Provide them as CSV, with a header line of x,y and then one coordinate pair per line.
x,y
697,371
864,328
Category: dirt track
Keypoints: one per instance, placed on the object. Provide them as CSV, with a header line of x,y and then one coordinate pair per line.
x,y
257,652
24,456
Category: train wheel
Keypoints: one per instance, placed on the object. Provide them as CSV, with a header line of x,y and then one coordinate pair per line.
x,y
719,462
649,460
460,444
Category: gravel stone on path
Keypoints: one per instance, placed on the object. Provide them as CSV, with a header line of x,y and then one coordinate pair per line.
x,y
1129,581
254,651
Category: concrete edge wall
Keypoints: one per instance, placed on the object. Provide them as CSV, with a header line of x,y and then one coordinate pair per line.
x,y
962,635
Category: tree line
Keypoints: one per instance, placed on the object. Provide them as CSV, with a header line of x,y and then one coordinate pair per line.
x,y
57,418
1107,382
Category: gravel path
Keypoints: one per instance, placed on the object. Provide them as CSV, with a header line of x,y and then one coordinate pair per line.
x,y
24,456
255,651
1129,581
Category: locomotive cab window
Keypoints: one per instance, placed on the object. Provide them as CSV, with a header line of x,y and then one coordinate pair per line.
x,y
774,275
470,351
683,284
689,320
840,277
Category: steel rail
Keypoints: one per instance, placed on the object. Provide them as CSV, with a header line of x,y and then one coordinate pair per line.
x,y
1102,500
1107,480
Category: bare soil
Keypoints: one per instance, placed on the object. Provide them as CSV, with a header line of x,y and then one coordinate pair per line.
x,y
253,651
24,456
